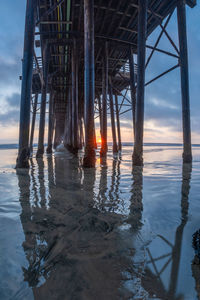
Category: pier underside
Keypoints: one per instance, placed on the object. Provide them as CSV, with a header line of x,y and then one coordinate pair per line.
x,y
86,62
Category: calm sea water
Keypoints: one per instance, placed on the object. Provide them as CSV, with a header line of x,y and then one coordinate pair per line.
x,y
113,232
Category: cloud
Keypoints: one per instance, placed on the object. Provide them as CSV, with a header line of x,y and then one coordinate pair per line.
x,y
10,115
10,118
163,104
14,101
10,71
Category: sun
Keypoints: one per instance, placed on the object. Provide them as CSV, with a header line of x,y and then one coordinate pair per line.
x,y
99,140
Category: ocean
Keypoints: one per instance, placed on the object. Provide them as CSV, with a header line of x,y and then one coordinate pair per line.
x,y
112,232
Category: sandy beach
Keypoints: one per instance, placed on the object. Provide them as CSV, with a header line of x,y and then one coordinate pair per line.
x,y
104,233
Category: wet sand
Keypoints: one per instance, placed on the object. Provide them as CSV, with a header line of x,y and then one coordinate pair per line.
x,y
112,232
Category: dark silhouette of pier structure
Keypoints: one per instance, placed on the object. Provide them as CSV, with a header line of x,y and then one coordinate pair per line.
x,y
87,62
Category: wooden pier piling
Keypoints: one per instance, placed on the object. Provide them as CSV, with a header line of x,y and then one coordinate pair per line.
x,y
139,126
104,146
74,98
89,83
59,129
115,149
27,71
132,86
33,123
118,123
100,114
68,122
181,16
40,150
50,123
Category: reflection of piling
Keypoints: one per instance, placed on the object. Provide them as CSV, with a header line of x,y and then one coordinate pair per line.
x,y
42,188
50,171
176,254
34,182
24,196
103,183
136,206
113,195
88,187
81,137
26,217
154,281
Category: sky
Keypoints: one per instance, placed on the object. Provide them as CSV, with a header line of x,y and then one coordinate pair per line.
x,y
163,121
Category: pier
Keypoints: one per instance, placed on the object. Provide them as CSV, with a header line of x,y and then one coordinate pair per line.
x,y
87,65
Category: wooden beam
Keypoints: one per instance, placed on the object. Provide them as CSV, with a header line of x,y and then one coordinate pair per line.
x,y
191,3
135,45
50,11
128,29
149,11
55,22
